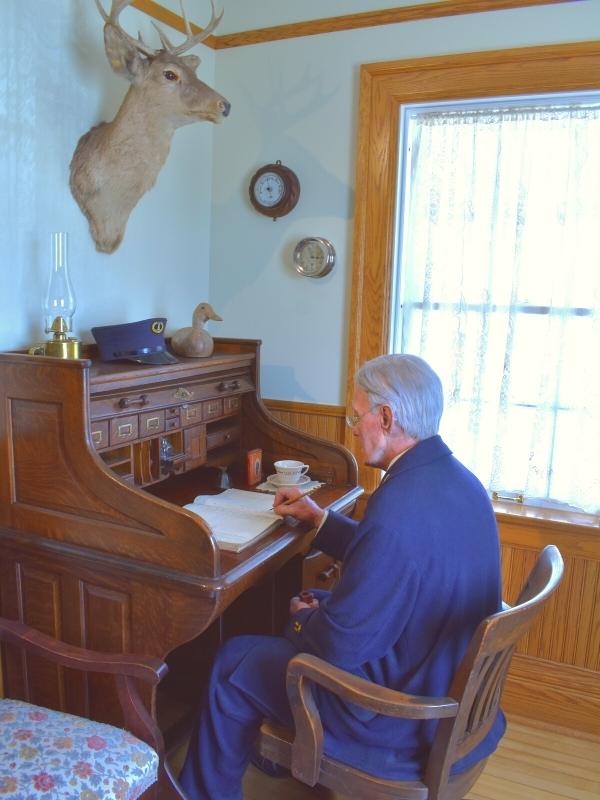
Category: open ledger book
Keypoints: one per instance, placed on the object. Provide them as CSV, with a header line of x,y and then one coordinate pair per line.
x,y
237,518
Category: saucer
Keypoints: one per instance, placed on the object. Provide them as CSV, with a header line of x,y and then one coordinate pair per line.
x,y
274,479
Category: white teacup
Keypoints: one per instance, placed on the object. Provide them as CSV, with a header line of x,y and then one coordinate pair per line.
x,y
289,471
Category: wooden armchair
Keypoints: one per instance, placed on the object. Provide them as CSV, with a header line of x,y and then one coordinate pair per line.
x,y
466,715
48,753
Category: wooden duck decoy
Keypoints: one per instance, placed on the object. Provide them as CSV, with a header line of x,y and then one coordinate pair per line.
x,y
195,342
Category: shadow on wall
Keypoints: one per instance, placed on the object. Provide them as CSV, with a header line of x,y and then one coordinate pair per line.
x,y
272,375
281,114
87,40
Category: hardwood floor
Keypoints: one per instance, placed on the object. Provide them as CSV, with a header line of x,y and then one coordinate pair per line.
x,y
533,762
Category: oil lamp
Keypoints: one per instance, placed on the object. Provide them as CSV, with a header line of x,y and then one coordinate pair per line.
x,y
59,305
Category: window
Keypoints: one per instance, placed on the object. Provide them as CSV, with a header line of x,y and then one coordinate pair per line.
x,y
386,88
498,285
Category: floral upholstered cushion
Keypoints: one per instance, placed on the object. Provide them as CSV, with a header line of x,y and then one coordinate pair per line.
x,y
55,756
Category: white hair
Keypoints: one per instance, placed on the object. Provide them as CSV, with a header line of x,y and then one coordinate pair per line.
x,y
410,387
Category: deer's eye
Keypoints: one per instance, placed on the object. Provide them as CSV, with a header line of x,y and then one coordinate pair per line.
x,y
170,75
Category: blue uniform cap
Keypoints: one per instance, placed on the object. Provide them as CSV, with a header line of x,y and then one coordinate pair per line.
x,y
141,341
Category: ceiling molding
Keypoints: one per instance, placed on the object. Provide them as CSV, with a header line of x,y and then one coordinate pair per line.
x,y
162,14
367,19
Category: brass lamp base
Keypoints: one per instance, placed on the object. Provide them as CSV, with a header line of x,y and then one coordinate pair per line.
x,y
58,348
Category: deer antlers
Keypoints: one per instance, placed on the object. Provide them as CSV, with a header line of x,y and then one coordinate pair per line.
x,y
191,40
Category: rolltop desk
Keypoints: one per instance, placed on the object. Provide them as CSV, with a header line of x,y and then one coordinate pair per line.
x,y
96,461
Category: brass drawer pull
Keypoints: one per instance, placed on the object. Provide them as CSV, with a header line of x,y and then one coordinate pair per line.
x,y
125,429
153,424
515,498
97,437
142,400
332,571
228,387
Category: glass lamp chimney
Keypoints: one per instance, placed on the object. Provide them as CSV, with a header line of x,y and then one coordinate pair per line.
x,y
60,303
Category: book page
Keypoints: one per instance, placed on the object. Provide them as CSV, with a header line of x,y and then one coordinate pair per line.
x,y
236,517
238,499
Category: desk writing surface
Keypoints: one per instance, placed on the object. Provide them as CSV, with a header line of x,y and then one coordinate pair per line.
x,y
183,489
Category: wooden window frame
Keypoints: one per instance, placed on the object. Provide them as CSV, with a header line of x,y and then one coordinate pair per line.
x,y
384,88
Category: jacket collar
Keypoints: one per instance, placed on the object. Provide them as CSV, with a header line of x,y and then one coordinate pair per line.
x,y
424,452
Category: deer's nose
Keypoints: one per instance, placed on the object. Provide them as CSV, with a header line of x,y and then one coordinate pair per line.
x,y
225,107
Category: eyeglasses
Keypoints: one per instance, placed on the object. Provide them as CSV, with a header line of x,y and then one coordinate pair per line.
x,y
352,420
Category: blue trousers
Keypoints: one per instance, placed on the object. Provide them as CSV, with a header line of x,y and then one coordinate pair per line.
x,y
247,684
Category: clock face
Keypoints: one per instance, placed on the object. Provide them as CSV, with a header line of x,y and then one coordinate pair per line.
x,y
269,189
314,257
274,190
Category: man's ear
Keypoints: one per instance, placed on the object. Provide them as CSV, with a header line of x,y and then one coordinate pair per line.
x,y
387,418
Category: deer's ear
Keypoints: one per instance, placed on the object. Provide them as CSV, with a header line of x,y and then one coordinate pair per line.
x,y
192,62
122,55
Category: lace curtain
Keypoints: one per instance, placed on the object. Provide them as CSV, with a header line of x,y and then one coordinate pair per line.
x,y
499,289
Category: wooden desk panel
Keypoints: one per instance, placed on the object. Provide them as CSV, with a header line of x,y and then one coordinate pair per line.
x,y
95,547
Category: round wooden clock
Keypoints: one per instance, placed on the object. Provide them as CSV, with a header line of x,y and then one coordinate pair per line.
x,y
274,190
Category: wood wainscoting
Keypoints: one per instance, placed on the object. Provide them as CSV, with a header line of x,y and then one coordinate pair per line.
x,y
327,422
555,674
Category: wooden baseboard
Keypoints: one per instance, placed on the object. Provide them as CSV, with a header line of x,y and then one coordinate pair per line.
x,y
556,694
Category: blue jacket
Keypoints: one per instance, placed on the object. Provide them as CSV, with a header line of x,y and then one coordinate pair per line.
x,y
419,572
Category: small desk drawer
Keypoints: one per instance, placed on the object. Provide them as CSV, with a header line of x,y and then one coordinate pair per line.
x,y
152,422
221,437
99,429
231,405
213,408
123,429
191,414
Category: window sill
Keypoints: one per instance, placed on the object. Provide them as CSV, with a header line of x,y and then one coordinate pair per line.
x,y
537,514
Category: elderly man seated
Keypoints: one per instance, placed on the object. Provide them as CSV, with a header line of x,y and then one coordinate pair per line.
x,y
420,571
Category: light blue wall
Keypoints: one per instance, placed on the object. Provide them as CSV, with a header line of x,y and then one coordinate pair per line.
x,y
297,100
194,236
55,83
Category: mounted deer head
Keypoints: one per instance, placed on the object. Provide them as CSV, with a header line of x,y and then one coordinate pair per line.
x,y
116,162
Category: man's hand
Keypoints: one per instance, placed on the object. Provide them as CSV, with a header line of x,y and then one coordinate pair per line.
x,y
296,603
289,502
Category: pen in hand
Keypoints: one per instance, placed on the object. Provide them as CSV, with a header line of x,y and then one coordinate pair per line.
x,y
292,500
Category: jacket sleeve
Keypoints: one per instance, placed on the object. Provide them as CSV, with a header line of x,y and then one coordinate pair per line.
x,y
335,535
367,612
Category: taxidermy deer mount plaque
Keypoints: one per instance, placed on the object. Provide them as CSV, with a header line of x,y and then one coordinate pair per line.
x,y
116,162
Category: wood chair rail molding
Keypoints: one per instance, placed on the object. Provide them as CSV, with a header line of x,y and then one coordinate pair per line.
x,y
384,88
367,19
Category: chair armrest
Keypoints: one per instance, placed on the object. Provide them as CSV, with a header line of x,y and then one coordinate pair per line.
x,y
125,668
305,669
367,694
148,669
